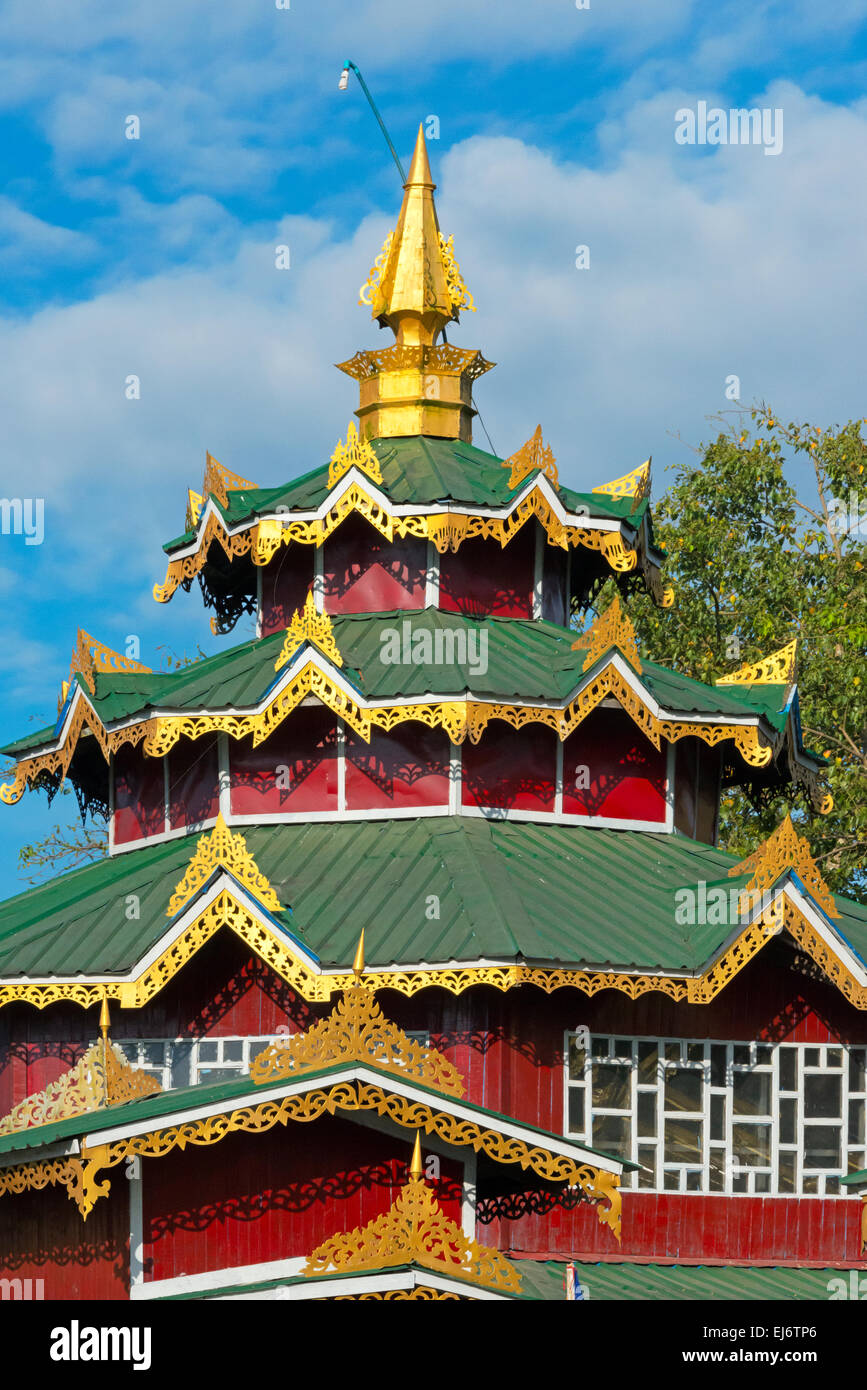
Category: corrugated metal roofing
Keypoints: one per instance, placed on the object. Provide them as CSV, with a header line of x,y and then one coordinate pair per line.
x,y
695,1283
522,660
421,471
506,890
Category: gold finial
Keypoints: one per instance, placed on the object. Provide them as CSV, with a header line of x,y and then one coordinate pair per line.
x,y
613,628
309,626
533,457
104,1020
358,963
416,1167
416,287
636,485
355,453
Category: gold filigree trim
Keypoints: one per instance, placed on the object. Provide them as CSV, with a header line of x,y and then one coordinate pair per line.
x,y
415,1230
370,293
356,1030
533,457
459,295
220,481
613,628
783,850
223,848
355,453
420,1294
636,485
195,502
263,538
776,669
102,1077
598,1186
309,626
443,358
90,656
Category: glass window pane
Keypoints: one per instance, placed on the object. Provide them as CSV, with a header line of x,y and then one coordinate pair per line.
x,y
153,1054
834,1057
683,1141
209,1075
810,1186
788,1068
672,1182
786,1173
832,1187
233,1050
672,1052
751,1093
717,1117
718,1065
811,1056
599,1047
207,1052
611,1085
763,1054
613,1133
741,1054
821,1146
762,1182
647,1157
822,1096
576,1061
693,1181
739,1182
856,1069
717,1170
856,1160
752,1145
856,1122
647,1114
576,1110
787,1121
682,1089
181,1056
695,1052
648,1058
623,1048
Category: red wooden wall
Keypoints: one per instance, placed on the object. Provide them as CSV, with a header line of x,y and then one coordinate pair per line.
x,y
42,1236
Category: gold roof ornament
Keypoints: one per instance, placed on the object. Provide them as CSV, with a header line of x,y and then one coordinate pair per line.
x,y
90,656
356,1030
777,669
358,962
613,628
415,1230
636,485
308,625
355,453
786,849
223,848
194,509
220,481
419,386
102,1077
533,457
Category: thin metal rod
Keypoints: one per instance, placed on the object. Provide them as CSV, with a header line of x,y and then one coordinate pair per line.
x,y
375,110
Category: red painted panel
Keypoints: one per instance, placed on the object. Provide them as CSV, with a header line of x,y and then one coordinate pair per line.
x,y
294,770
365,573
483,577
193,782
285,583
139,796
511,768
611,769
259,1197
409,766
42,1236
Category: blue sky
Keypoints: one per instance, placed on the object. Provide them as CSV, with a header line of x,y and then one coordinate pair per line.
x,y
156,257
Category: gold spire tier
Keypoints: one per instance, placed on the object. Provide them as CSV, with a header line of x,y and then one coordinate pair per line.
x,y
416,386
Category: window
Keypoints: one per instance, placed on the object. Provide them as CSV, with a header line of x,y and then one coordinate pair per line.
x,y
753,1117
193,1061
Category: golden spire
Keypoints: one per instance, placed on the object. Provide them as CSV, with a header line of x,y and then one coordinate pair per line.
x,y
358,963
416,1168
413,295
418,385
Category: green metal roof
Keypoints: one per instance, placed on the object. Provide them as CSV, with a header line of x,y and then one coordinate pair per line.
x,y
696,1283
420,471
174,1104
507,891
523,660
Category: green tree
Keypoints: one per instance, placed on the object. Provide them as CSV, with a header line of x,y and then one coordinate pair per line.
x,y
764,542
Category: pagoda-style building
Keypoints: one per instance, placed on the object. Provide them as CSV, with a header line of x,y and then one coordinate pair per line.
x,y
415,969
